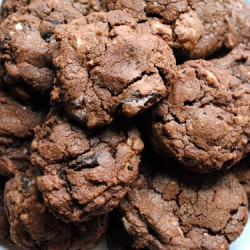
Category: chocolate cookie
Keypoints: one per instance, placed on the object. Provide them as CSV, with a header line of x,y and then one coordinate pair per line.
x,y
106,65
171,209
242,172
204,121
33,227
16,132
27,44
197,28
4,225
84,173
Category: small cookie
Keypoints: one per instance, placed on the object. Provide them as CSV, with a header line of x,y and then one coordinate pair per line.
x,y
204,122
242,172
197,28
16,132
33,227
27,44
107,66
84,173
171,209
4,224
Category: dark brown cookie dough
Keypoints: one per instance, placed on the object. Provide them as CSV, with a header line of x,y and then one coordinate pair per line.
x,y
27,44
242,172
33,227
116,236
16,132
204,122
171,209
195,29
106,65
84,173
4,225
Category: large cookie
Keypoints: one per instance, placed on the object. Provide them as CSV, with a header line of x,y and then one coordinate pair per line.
x,y
171,209
33,227
107,66
16,133
204,122
197,28
84,173
27,44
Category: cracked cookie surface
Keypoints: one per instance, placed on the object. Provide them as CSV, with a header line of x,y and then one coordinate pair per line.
x,y
16,132
197,28
84,173
84,6
107,66
204,122
27,45
33,227
171,209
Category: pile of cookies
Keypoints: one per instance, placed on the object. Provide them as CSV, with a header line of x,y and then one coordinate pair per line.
x,y
124,118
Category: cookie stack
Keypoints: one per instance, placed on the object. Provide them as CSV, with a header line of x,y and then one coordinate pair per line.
x,y
132,114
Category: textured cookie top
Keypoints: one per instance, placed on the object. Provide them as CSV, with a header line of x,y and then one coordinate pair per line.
x,y
16,132
204,122
84,6
33,227
27,39
172,209
106,65
199,28
84,173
